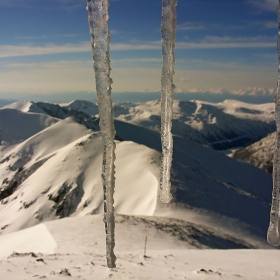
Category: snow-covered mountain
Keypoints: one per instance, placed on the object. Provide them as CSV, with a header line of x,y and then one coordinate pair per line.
x,y
55,111
17,126
73,248
259,154
222,125
87,107
55,173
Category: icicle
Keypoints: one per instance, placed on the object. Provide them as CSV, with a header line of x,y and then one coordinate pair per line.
x,y
100,37
168,42
273,236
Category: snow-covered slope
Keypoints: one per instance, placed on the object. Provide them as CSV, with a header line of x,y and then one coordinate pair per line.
x,y
55,111
22,105
82,105
260,153
218,187
16,126
56,173
53,173
74,248
220,125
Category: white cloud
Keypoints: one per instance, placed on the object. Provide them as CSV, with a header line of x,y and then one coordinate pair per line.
x,y
245,25
151,45
52,4
70,76
250,91
267,5
270,24
30,50
224,45
184,80
209,42
190,26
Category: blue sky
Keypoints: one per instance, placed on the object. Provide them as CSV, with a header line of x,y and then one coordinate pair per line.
x,y
222,47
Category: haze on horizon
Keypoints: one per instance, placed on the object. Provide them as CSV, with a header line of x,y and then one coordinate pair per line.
x,y
224,48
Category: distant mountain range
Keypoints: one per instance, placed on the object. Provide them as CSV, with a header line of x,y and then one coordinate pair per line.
x,y
220,125
50,166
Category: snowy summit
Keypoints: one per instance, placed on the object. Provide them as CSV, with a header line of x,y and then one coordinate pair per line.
x,y
51,198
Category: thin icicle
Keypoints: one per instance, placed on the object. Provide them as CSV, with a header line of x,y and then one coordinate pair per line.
x,y
168,42
273,236
100,37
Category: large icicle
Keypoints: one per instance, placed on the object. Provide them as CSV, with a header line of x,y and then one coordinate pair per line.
x,y
168,42
273,236
100,37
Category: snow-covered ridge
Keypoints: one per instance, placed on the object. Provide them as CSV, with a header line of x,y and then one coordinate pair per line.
x,y
260,153
61,164
55,173
87,107
222,125
16,126
55,111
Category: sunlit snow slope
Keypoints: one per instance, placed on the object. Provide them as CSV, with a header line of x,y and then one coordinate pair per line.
x,y
55,173
74,248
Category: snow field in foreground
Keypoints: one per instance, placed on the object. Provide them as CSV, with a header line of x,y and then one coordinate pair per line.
x,y
74,248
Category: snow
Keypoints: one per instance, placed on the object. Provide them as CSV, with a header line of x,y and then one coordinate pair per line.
x,y
58,174
136,188
76,247
73,165
82,105
23,105
205,122
13,125
37,239
259,154
247,110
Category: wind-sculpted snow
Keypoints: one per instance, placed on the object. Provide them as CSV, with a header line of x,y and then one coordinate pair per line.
x,y
273,235
100,37
61,250
168,38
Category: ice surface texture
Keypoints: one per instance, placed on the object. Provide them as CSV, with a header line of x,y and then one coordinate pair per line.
x,y
168,42
273,236
100,38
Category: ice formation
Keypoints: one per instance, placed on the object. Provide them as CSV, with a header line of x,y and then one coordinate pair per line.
x,y
100,37
168,42
273,236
